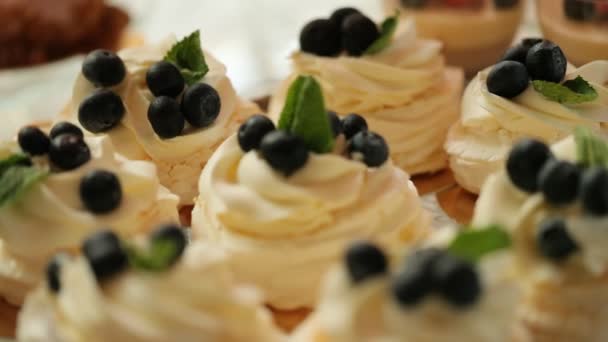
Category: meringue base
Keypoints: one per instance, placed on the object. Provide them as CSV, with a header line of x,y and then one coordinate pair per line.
x,y
8,319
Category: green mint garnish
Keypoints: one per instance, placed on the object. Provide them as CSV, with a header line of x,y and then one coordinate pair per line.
x,y
387,30
591,150
570,92
305,115
16,178
473,244
13,160
188,56
159,256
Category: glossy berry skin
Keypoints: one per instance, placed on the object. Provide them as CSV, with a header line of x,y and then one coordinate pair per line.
x,y
105,254
558,181
457,281
594,191
201,105
101,111
502,4
519,52
253,130
336,123
525,161
353,124
546,61
100,191
414,3
417,279
166,117
68,152
321,37
284,152
103,68
165,79
579,10
65,127
364,261
369,147
33,141
508,79
175,234
340,15
358,34
53,273
553,240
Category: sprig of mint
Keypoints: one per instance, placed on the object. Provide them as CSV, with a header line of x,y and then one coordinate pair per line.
x,y
591,150
16,178
13,160
305,115
188,56
387,30
160,255
473,244
574,91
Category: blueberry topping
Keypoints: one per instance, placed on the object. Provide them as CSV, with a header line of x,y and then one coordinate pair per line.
x,y
105,254
69,151
508,79
579,10
414,3
101,111
525,161
502,4
253,130
336,124
358,33
553,240
175,234
558,181
519,52
165,79
201,105
33,141
353,124
369,147
457,281
65,127
166,117
594,191
340,15
321,37
547,62
417,279
284,152
103,68
53,271
364,261
100,191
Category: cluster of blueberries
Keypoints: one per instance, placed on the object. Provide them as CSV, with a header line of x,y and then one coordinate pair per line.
x,y
287,153
425,272
100,190
500,4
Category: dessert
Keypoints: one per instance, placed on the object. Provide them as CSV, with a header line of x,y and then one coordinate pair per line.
x,y
531,93
57,189
284,203
474,32
170,103
554,203
580,27
398,82
121,291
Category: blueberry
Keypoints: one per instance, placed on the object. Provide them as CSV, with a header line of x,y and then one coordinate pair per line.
x,y
502,4
284,152
100,191
336,124
105,254
368,147
525,161
417,279
553,240
546,61
69,151
594,191
358,34
33,141
579,10
457,281
559,181
414,3
201,105
175,234
166,117
364,261
101,111
508,79
321,37
340,15
65,127
253,130
53,273
519,52
353,124
103,68
165,79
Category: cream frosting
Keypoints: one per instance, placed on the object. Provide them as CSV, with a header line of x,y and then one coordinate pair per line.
x,y
51,216
180,159
404,92
195,300
489,126
284,233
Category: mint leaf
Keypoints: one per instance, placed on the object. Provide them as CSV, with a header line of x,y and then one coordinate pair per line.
x,y
16,180
188,56
472,244
570,92
591,150
161,254
305,115
13,160
387,30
